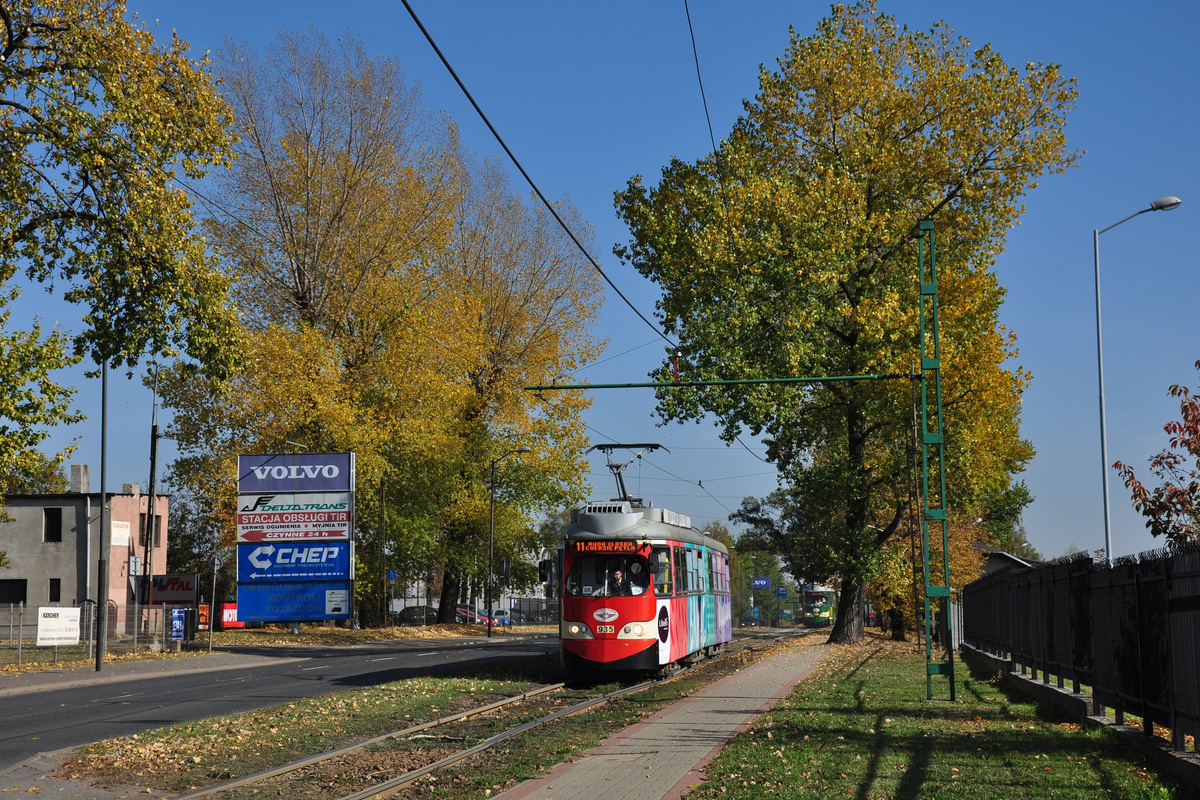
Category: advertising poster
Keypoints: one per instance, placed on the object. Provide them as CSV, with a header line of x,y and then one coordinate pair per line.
x,y
57,627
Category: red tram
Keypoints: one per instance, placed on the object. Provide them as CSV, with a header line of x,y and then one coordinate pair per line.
x,y
641,589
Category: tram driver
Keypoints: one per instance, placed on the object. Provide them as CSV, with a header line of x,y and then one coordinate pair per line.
x,y
618,584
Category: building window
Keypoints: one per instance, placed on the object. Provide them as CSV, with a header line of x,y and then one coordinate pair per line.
x,y
52,525
158,522
12,591
56,590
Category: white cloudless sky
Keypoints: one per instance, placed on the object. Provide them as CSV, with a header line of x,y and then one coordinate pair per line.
x,y
588,94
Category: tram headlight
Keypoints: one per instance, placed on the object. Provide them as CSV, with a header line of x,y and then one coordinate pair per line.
x,y
575,630
633,630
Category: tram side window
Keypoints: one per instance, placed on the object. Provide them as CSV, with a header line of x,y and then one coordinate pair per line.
x,y
662,578
608,576
681,563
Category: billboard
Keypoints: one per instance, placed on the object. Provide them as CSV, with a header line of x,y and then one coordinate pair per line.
x,y
294,602
296,472
293,561
295,523
291,516
170,590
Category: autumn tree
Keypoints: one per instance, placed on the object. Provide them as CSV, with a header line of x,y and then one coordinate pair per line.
x,y
327,225
1002,518
395,297
35,473
789,252
537,298
98,121
1172,509
32,401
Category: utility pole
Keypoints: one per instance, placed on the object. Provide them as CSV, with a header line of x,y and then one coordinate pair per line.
x,y
151,519
105,540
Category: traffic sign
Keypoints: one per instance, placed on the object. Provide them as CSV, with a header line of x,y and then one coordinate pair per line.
x,y
762,583
293,602
392,574
781,592
294,561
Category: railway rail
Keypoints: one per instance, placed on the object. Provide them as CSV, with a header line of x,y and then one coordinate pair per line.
x,y
390,787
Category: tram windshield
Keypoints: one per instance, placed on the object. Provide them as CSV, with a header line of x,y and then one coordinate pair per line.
x,y
608,576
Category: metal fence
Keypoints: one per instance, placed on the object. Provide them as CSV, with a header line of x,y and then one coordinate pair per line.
x,y
1131,631
129,631
534,609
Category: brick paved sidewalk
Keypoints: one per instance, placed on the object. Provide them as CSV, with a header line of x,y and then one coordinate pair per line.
x,y
668,752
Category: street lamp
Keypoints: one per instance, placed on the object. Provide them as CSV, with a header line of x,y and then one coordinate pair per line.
x,y
492,529
1161,204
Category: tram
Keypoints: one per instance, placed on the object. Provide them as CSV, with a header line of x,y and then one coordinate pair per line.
x,y
641,589
820,603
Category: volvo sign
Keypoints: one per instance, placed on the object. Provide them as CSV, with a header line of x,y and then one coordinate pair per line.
x,y
296,472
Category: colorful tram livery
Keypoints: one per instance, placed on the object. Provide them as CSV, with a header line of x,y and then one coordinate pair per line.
x,y
642,590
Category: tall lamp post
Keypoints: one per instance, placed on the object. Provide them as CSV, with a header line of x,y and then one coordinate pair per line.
x,y
492,529
1161,204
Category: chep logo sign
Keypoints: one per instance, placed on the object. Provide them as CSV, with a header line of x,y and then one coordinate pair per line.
x,y
294,561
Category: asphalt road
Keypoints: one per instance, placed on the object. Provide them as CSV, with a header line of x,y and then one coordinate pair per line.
x,y
44,712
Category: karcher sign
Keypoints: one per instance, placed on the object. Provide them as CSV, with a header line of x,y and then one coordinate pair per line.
x,y
57,627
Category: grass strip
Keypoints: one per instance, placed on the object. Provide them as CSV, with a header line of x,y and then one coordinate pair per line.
x,y
182,757
188,755
861,727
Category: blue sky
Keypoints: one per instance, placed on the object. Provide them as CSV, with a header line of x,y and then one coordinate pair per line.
x,y
589,94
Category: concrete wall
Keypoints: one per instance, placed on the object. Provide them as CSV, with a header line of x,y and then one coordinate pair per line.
x,y
74,560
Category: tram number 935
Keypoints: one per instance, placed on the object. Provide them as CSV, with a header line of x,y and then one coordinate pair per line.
x,y
606,629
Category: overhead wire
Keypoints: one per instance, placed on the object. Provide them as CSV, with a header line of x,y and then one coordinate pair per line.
x,y
716,155
703,98
549,206
610,358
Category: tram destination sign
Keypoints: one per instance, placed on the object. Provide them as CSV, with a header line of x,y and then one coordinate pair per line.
x,y
296,472
294,516
293,561
606,546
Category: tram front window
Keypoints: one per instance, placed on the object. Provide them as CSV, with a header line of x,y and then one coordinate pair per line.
x,y
608,576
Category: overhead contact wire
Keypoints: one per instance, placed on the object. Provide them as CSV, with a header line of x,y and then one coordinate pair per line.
x,y
549,207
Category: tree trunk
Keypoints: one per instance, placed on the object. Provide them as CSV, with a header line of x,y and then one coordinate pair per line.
x,y
447,605
898,624
848,628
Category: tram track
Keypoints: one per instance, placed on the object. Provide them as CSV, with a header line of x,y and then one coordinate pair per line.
x,y
390,787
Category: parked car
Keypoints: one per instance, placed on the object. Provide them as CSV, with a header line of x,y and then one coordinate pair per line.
x,y
417,615
470,615
500,618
